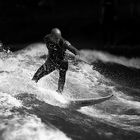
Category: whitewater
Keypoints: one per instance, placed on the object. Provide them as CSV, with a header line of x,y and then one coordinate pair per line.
x,y
32,111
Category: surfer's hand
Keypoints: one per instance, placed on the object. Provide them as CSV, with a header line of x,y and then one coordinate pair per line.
x,y
77,57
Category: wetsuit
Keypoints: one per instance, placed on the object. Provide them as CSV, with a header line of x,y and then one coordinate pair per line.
x,y
56,59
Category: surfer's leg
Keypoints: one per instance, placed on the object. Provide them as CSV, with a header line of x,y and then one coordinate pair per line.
x,y
45,69
62,75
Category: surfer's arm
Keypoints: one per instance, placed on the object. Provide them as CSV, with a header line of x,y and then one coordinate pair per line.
x,y
71,48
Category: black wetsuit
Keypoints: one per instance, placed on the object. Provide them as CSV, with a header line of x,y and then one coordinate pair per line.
x,y
56,59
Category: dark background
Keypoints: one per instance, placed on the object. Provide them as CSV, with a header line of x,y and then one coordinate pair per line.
x,y
110,25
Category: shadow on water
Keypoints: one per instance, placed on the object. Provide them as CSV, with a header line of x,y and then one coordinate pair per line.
x,y
74,124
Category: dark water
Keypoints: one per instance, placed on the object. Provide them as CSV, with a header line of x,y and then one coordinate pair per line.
x,y
120,74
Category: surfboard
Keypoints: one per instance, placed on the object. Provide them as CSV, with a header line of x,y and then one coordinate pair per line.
x,y
77,103
74,103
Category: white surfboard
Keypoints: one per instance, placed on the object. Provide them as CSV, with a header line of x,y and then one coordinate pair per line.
x,y
77,103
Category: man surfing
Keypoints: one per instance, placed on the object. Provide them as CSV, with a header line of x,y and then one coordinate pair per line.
x,y
57,47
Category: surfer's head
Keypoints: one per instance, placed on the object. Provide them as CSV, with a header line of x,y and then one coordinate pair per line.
x,y
56,32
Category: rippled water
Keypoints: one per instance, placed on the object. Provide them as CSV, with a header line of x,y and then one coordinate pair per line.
x,y
30,111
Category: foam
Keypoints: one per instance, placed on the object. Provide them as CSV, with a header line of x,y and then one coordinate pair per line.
x,y
31,128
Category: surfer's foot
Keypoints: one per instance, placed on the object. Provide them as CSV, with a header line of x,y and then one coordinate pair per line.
x,y
59,91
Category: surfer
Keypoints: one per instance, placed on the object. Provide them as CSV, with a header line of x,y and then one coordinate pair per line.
x,y
57,47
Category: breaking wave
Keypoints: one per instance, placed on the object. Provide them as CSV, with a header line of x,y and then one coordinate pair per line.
x,y
30,111
92,55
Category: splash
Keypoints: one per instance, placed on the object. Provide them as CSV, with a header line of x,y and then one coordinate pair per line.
x,y
54,97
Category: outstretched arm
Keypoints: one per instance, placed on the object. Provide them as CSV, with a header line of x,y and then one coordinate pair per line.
x,y
74,51
71,48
